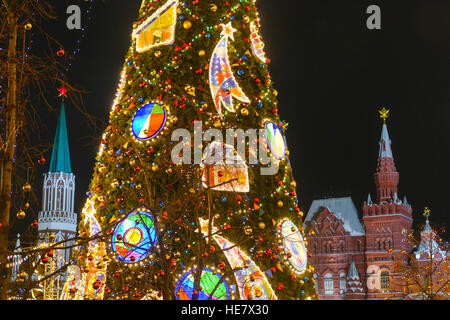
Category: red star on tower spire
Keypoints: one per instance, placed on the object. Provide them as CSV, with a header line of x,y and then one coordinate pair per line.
x,y
62,92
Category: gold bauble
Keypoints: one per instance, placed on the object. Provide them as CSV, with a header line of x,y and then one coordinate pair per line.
x,y
280,204
244,112
201,53
28,26
115,183
21,214
261,225
187,25
169,171
26,187
175,119
246,19
158,54
155,168
213,7
248,230
132,162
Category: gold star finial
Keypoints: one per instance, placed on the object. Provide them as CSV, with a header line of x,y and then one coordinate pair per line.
x,y
426,212
384,114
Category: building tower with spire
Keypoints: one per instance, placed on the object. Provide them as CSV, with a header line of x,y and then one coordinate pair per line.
x,y
57,217
354,260
387,222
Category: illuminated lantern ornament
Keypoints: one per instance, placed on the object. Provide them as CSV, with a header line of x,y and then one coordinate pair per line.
x,y
222,82
148,121
276,140
223,170
257,44
158,29
134,236
293,245
184,289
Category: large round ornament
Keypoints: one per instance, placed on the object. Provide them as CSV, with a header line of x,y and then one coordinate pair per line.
x,y
208,282
255,286
134,236
293,245
276,140
148,121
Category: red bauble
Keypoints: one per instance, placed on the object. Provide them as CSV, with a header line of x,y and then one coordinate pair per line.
x,y
221,265
280,286
41,160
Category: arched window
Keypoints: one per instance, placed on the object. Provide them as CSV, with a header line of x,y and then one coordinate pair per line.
x,y
358,246
342,246
325,248
328,284
389,244
330,248
342,282
315,247
385,281
316,282
378,245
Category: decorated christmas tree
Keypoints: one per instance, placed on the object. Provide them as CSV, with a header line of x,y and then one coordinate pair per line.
x,y
175,210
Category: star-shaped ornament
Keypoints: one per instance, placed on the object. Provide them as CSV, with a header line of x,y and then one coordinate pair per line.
x,y
228,30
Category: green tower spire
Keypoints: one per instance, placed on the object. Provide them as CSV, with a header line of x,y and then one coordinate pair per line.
x,y
60,155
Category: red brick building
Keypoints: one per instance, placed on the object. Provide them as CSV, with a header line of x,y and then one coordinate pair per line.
x,y
354,258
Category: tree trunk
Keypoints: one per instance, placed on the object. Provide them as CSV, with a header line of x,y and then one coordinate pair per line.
x,y
7,155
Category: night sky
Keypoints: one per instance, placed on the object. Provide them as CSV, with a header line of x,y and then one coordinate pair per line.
x,y
332,75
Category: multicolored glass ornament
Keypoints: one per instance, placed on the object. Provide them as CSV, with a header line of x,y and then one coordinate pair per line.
x,y
276,140
134,236
293,245
148,121
208,282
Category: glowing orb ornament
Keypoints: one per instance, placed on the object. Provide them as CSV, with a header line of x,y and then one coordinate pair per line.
x,y
209,281
293,245
276,140
134,236
148,121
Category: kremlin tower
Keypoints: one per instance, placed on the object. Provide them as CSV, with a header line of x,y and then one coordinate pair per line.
x,y
57,220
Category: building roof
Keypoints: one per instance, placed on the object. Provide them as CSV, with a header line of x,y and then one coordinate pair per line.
x,y
385,144
60,156
344,209
353,273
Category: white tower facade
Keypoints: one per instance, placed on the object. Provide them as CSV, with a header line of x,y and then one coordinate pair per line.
x,y
57,215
